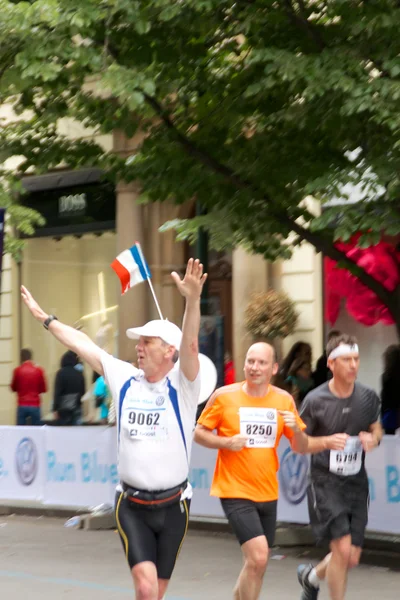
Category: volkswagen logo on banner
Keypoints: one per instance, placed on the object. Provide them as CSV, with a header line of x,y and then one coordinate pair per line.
x,y
293,476
26,461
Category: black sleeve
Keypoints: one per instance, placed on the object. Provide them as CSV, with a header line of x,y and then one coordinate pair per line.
x,y
375,408
82,390
320,373
389,395
306,414
58,390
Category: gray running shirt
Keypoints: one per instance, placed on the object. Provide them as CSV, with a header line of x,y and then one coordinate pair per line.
x,y
326,414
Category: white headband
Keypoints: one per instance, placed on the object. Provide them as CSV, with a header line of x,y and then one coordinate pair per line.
x,y
342,350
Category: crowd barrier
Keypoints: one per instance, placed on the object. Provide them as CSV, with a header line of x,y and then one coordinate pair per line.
x,y
76,467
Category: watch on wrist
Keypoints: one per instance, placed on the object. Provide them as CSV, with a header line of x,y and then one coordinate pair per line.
x,y
49,319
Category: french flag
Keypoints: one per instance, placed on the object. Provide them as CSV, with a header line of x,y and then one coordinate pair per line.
x,y
131,267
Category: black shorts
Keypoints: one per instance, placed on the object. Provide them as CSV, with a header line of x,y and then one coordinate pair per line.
x,y
152,535
250,519
337,510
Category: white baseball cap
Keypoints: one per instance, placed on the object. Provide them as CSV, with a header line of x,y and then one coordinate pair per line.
x,y
167,331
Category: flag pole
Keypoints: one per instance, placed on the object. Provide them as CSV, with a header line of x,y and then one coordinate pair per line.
x,y
155,299
102,294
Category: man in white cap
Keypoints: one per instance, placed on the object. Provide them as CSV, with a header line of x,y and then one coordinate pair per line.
x,y
155,412
343,423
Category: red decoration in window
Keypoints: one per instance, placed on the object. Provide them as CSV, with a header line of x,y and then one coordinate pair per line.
x,y
382,262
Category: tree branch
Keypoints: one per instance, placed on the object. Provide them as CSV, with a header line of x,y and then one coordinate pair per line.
x,y
299,19
8,58
329,249
194,150
319,242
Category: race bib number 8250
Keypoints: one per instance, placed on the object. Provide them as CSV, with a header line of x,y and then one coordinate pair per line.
x,y
260,425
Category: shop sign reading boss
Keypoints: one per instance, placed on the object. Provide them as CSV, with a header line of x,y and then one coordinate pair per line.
x,y
72,204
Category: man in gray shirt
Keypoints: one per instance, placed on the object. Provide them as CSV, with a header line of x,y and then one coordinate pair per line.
x,y
342,419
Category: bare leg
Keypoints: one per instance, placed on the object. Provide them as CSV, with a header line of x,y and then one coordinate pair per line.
x,y
236,593
322,566
338,566
145,581
250,580
355,556
162,588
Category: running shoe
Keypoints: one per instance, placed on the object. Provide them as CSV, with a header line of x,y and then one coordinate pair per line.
x,y
309,591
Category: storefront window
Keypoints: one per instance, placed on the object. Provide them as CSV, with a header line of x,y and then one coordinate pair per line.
x,y
71,278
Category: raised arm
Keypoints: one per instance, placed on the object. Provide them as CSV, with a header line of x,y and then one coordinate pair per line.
x,y
190,287
74,340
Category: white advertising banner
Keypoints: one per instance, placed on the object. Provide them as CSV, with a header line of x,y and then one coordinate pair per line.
x,y
77,466
80,466
383,467
201,473
293,480
21,463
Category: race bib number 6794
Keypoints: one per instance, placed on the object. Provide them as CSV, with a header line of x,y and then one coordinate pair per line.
x,y
349,461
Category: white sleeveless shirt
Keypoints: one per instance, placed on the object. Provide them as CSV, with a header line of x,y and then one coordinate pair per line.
x,y
153,446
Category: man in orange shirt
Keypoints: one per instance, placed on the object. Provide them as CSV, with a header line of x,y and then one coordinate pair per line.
x,y
249,418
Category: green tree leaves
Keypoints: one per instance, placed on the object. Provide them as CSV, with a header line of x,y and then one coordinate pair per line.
x,y
247,106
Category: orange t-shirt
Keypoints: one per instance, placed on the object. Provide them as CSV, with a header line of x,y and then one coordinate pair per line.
x,y
250,473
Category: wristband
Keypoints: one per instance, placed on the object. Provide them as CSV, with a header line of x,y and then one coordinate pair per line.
x,y
49,319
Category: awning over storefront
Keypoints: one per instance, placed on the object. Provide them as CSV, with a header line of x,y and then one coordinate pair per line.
x,y
72,202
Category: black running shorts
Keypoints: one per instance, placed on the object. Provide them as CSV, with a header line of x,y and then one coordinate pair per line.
x,y
250,519
152,535
337,510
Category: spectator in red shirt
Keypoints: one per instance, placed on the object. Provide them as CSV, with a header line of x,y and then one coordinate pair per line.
x,y
29,382
229,370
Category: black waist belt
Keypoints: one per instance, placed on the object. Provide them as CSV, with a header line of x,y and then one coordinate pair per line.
x,y
155,499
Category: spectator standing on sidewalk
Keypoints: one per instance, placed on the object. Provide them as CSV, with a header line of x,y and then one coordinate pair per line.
x,y
28,382
102,399
69,387
390,385
322,372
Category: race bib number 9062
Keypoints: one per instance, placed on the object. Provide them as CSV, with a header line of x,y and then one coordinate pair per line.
x,y
259,425
142,418
145,424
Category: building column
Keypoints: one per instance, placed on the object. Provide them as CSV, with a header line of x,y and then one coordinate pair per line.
x,y
249,275
134,305
131,228
301,279
9,335
165,255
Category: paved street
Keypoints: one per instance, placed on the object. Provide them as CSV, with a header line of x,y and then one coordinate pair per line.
x,y
41,560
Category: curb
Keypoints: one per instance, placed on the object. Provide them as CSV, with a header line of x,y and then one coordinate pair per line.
x,y
287,534
36,511
99,522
